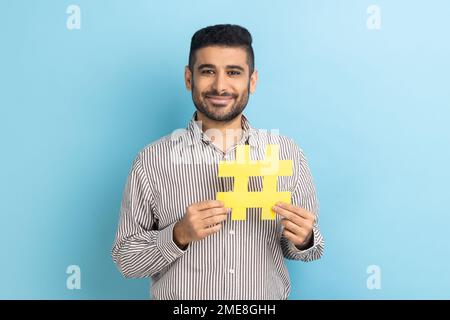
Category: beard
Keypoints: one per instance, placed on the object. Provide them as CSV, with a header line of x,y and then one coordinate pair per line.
x,y
220,113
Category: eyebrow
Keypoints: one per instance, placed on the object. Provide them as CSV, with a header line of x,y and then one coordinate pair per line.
x,y
231,66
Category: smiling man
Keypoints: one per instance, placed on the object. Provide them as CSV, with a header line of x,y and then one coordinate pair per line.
x,y
173,230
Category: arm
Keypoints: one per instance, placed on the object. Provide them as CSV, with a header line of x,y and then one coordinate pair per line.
x,y
304,196
140,249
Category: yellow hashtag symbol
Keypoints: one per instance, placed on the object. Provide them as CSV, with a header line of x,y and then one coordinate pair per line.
x,y
241,169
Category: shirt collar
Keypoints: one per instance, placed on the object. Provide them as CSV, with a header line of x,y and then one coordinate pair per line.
x,y
196,134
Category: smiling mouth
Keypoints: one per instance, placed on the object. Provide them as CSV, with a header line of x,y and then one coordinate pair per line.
x,y
219,100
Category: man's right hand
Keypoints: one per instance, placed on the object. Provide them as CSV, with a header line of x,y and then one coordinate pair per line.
x,y
200,220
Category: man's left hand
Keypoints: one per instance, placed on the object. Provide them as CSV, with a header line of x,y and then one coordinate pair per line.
x,y
298,223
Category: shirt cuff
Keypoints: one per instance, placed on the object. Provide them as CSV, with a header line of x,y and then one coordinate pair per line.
x,y
296,250
168,248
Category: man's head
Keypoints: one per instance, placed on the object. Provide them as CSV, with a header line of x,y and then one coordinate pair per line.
x,y
221,72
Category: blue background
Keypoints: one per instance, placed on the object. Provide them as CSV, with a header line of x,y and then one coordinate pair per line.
x,y
370,108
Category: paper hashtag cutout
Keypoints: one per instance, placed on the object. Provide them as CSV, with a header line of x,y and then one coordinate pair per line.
x,y
241,169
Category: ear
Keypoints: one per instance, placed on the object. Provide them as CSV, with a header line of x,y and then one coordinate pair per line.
x,y
188,78
253,80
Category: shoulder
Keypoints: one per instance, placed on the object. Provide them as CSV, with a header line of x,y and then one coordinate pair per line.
x,y
163,147
289,148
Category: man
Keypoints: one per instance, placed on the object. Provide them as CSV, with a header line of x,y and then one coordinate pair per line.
x,y
171,227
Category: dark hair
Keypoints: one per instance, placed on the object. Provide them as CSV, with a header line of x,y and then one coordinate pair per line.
x,y
226,35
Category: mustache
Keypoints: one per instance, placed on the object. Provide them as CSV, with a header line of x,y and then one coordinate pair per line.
x,y
216,93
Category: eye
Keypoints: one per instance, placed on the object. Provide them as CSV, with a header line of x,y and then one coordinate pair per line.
x,y
207,71
234,73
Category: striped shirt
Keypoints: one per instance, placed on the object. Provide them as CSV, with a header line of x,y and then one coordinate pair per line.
x,y
244,259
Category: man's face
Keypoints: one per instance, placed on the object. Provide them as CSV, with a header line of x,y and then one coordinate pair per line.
x,y
220,82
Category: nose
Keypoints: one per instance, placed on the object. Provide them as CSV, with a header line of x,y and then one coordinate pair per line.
x,y
220,83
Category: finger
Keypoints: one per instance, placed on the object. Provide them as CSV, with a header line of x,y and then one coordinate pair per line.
x,y
213,229
305,220
205,214
295,229
290,236
208,204
288,215
214,220
296,209
302,223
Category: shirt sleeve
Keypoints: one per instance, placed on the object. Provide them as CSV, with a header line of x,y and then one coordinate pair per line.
x,y
140,248
304,196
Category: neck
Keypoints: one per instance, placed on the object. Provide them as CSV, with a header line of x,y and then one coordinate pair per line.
x,y
223,134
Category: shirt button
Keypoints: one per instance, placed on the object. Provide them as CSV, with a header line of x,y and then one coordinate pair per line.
x,y
232,232
231,271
